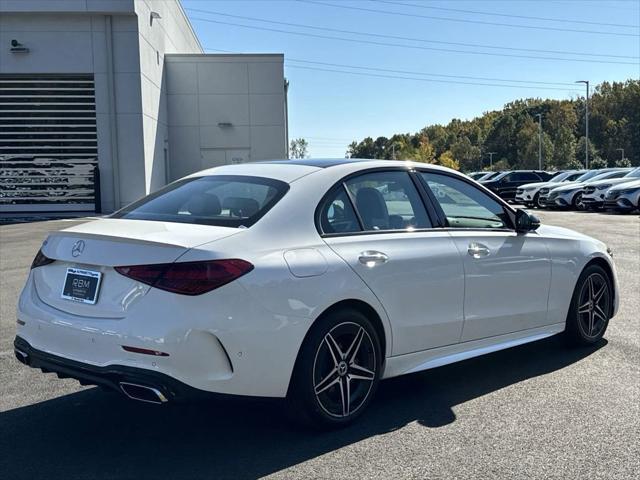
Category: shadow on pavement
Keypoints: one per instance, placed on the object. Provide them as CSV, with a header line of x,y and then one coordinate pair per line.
x,y
92,434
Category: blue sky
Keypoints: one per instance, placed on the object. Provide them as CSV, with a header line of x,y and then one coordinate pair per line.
x,y
331,108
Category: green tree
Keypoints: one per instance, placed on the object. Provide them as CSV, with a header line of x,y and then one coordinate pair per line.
x,y
622,163
528,141
512,133
446,160
298,148
597,162
559,123
580,153
574,164
466,154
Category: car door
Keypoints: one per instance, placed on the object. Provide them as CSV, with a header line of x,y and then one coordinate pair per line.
x,y
507,273
378,224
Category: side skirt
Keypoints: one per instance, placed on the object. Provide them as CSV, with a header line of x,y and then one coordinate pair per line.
x,y
436,357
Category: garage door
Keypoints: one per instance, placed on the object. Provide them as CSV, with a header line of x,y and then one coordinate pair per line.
x,y
48,144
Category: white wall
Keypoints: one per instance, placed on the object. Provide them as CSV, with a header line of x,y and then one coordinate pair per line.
x,y
116,41
67,6
169,34
148,98
204,91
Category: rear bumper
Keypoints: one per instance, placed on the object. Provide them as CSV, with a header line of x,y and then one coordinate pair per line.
x,y
236,348
109,377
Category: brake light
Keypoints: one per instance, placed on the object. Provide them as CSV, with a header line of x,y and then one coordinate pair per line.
x,y
188,278
41,260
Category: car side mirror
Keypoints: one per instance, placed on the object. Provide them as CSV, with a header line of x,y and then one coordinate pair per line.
x,y
525,221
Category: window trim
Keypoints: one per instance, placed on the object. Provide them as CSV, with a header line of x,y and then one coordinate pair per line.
x,y
434,211
430,210
510,212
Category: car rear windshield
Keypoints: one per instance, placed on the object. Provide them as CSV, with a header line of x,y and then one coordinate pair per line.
x,y
221,200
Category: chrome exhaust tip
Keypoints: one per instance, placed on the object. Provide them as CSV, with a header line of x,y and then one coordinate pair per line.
x,y
142,393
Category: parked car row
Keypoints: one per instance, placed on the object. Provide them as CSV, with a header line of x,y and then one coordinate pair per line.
x,y
607,188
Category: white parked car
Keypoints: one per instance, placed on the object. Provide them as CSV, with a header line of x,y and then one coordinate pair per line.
x,y
593,194
529,194
624,197
570,195
308,279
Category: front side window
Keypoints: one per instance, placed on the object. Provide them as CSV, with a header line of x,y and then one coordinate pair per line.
x,y
222,200
387,201
465,206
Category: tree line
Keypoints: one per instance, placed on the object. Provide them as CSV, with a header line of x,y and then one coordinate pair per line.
x,y
512,135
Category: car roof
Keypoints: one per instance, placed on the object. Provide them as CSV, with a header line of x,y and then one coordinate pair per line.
x,y
291,170
316,162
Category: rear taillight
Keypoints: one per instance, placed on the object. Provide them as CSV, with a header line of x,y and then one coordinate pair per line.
x,y
41,260
188,278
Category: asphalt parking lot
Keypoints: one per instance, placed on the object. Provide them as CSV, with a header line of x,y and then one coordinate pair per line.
x,y
536,411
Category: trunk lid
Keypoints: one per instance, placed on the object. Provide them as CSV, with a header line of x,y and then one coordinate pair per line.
x,y
100,245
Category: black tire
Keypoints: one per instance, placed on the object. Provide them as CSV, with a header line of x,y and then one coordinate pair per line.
x,y
536,200
576,203
588,317
315,397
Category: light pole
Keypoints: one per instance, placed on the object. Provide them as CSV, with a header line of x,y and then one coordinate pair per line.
x,y
539,115
621,150
586,125
491,154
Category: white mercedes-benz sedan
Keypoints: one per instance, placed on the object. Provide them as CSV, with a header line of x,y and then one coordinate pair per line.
x,y
306,279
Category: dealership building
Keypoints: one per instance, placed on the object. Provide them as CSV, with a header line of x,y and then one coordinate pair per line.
x,y
104,101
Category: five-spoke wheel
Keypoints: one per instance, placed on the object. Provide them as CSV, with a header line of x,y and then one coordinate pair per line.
x,y
591,307
338,369
344,369
594,304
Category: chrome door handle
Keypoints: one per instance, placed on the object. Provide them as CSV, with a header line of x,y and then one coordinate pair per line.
x,y
371,258
478,250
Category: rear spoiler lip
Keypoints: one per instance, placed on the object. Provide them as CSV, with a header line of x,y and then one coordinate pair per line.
x,y
101,236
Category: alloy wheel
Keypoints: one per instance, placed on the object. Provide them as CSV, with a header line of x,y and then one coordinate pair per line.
x,y
578,202
594,303
537,201
344,369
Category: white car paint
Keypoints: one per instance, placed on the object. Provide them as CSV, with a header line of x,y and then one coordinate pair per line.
x,y
593,194
436,303
526,194
624,196
565,195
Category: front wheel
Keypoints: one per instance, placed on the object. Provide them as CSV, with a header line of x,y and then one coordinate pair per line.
x,y
577,203
536,200
337,371
591,307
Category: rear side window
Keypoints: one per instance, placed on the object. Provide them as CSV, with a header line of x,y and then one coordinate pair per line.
x,y
526,176
222,200
387,201
522,177
337,214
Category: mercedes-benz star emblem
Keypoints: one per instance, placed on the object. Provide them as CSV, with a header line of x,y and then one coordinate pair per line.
x,y
77,248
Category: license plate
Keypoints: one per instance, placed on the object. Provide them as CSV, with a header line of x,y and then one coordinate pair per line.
x,y
81,285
